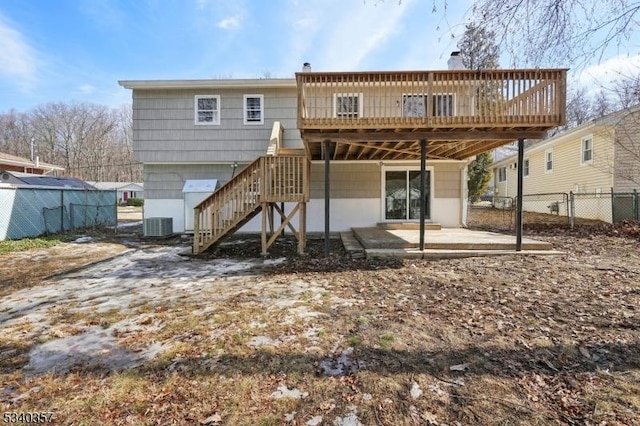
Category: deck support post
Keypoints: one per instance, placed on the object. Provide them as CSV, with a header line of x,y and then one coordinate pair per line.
x,y
520,172
327,194
423,178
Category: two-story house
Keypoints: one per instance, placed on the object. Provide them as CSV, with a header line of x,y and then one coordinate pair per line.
x,y
596,157
354,139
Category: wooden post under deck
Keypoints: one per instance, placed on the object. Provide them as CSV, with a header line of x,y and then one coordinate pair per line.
x,y
264,228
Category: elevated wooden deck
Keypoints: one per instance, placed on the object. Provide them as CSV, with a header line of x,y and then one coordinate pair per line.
x,y
383,115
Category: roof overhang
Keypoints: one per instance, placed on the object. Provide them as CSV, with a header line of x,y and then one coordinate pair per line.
x,y
263,83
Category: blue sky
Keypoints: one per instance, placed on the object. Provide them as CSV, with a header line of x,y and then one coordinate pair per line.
x,y
77,50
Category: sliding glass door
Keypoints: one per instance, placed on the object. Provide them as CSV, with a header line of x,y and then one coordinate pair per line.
x,y
402,195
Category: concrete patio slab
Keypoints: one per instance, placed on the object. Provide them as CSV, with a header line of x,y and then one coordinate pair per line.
x,y
446,243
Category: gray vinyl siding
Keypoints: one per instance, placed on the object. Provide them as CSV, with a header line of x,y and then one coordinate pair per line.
x,y
447,182
165,181
350,180
627,152
165,130
364,180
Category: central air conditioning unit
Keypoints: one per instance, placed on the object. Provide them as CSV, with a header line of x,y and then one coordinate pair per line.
x,y
158,227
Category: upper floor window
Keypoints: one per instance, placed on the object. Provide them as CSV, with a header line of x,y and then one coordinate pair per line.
x,y
502,174
415,105
548,161
587,150
253,109
525,167
348,105
207,109
442,105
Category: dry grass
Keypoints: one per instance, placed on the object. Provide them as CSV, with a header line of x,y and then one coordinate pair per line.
x,y
533,341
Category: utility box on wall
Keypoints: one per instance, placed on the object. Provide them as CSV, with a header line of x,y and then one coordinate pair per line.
x,y
195,191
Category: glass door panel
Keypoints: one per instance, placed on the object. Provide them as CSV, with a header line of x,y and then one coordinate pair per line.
x,y
414,194
395,191
402,195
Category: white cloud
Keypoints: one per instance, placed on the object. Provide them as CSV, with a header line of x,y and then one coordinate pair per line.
x,y
613,68
338,35
87,89
603,75
17,57
229,23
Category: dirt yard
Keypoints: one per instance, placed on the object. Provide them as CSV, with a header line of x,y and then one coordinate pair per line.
x,y
153,337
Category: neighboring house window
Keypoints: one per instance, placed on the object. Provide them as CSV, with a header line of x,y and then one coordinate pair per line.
x,y
525,167
502,174
348,105
253,109
587,150
548,161
207,109
415,105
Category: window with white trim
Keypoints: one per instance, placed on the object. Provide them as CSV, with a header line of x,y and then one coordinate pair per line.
x,y
253,109
207,109
415,105
502,174
443,105
586,153
347,105
525,167
548,161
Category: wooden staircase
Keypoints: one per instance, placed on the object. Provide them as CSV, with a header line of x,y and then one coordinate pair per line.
x,y
269,180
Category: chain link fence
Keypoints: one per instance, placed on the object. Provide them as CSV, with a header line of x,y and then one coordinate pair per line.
x,y
31,212
562,209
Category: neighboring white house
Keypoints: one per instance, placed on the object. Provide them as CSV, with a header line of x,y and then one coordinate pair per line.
x,y
597,157
126,190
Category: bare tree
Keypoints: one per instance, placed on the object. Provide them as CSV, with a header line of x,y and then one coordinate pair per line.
x,y
92,142
478,48
550,32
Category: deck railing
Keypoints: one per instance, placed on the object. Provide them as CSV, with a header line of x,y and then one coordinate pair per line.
x,y
431,99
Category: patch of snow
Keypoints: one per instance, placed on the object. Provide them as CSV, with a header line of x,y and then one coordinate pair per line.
x,y
83,240
260,341
314,421
366,397
342,365
274,261
349,420
125,225
94,347
284,392
416,392
289,417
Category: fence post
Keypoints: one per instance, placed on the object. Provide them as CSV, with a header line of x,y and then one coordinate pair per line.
x,y
613,209
572,210
115,211
62,210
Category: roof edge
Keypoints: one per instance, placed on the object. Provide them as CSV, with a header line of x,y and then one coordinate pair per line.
x,y
209,83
